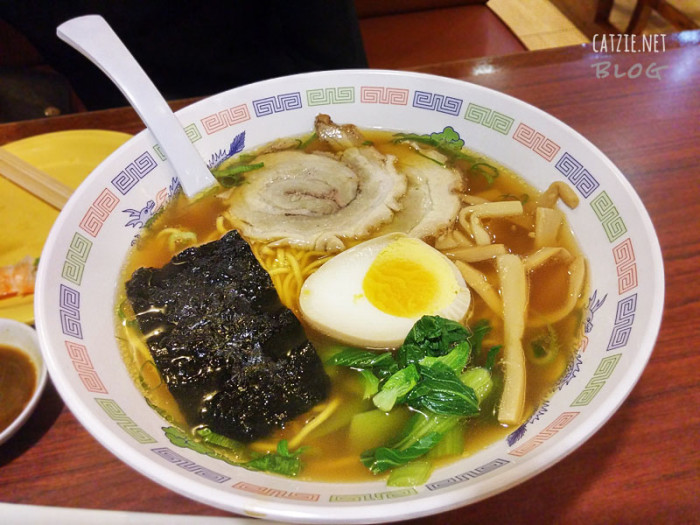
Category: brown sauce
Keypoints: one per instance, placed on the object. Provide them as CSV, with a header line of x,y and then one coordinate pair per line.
x,y
17,383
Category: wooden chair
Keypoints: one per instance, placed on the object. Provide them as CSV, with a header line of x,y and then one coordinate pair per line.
x,y
643,9
642,12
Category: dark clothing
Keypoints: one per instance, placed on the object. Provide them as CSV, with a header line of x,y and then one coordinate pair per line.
x,y
197,48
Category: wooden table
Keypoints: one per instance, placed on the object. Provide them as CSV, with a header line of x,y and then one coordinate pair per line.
x,y
642,466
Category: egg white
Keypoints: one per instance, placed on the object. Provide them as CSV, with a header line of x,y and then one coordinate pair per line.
x,y
332,300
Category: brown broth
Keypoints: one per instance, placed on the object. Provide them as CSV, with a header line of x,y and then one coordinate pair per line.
x,y
331,455
17,383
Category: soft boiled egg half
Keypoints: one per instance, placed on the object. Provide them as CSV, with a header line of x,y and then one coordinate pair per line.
x,y
372,294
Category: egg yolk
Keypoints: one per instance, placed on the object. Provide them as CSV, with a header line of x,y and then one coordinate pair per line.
x,y
408,278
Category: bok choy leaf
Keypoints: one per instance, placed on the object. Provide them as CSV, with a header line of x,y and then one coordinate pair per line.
x,y
431,375
441,392
419,436
397,386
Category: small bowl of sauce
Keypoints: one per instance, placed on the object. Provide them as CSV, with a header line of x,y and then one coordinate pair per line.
x,y
22,375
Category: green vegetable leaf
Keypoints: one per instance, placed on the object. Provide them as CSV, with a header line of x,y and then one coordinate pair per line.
x,y
381,459
478,332
411,353
451,444
420,435
371,383
479,380
364,359
283,450
430,336
429,376
456,359
282,462
422,424
442,392
491,357
395,387
411,474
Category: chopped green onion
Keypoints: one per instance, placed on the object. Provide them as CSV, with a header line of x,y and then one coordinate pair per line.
x,y
233,175
487,171
543,349
305,144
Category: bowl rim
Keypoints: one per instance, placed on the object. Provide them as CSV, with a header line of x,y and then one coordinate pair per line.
x,y
388,510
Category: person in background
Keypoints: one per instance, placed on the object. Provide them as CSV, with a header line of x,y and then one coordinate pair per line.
x,y
193,49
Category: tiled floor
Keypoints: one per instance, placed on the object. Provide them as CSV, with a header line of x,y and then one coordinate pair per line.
x,y
540,25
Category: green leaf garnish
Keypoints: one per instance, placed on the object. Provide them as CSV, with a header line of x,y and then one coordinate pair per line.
x,y
233,175
303,144
447,142
487,171
281,462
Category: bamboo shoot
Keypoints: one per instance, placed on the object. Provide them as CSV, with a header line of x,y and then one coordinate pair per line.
x,y
511,272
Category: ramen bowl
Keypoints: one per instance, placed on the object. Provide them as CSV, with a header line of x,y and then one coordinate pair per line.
x,y
75,299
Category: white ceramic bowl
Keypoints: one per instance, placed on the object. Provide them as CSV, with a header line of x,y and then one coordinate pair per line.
x,y
80,266
23,338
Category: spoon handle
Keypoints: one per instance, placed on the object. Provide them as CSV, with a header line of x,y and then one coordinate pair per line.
x,y
92,36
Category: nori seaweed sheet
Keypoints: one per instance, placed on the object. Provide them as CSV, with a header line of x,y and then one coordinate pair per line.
x,y
234,358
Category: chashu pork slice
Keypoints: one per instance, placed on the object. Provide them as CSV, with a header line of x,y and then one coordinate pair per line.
x,y
431,202
316,201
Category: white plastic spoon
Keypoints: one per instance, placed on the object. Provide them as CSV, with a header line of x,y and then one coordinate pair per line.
x,y
94,38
